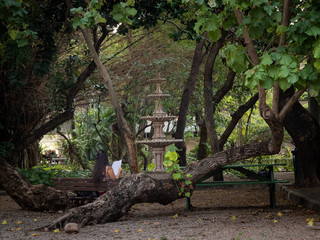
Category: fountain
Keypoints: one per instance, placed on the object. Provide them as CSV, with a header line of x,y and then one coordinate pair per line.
x,y
158,141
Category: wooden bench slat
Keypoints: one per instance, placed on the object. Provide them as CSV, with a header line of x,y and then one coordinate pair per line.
x,y
83,184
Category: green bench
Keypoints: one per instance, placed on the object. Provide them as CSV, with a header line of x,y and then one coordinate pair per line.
x,y
254,178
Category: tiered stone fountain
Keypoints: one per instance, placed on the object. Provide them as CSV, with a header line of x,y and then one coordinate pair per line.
x,y
159,141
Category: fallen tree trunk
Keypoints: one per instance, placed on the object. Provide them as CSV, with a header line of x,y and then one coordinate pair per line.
x,y
139,188
29,197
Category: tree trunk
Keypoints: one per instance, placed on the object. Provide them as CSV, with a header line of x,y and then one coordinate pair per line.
x,y
209,99
209,107
305,132
29,197
202,149
139,188
185,100
125,130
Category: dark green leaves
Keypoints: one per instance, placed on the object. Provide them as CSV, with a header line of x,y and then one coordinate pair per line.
x,y
122,12
236,57
275,66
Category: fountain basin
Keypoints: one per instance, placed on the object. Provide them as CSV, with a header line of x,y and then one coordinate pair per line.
x,y
162,118
159,142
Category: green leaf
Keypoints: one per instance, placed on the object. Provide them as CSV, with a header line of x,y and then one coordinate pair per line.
x,y
284,72
76,22
313,93
292,78
76,10
13,33
284,84
188,175
187,182
285,59
22,42
249,73
118,17
252,82
199,24
177,176
281,30
99,19
132,11
212,24
266,59
316,64
305,72
313,31
276,56
266,83
269,9
272,71
246,20
167,163
187,194
316,48
313,77
171,156
199,2
215,36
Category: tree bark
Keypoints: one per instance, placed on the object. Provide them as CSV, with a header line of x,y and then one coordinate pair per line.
x,y
185,100
236,116
125,130
209,107
275,123
202,149
140,188
305,132
29,197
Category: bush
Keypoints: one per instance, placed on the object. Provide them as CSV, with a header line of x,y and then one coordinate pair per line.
x,y
43,174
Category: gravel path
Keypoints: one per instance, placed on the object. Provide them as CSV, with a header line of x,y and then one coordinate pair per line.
x,y
238,214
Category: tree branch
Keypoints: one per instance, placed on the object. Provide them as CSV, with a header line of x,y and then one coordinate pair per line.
x,y
276,87
236,116
295,97
73,150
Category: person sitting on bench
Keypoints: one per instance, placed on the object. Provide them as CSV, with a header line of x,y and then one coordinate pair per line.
x,y
102,171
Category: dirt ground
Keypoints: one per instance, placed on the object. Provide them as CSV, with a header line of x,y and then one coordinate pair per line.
x,y
231,214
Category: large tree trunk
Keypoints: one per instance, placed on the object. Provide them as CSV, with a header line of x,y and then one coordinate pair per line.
x,y
29,197
305,132
125,130
140,188
185,100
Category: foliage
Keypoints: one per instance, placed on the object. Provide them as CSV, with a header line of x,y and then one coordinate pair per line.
x,y
296,64
43,174
85,137
63,76
171,163
5,149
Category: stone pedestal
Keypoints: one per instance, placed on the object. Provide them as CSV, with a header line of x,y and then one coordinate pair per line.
x,y
158,156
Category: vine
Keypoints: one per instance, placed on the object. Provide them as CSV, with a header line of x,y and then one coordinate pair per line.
x,y
171,162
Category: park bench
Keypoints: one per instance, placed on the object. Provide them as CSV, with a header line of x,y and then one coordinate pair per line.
x,y
252,178
83,184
